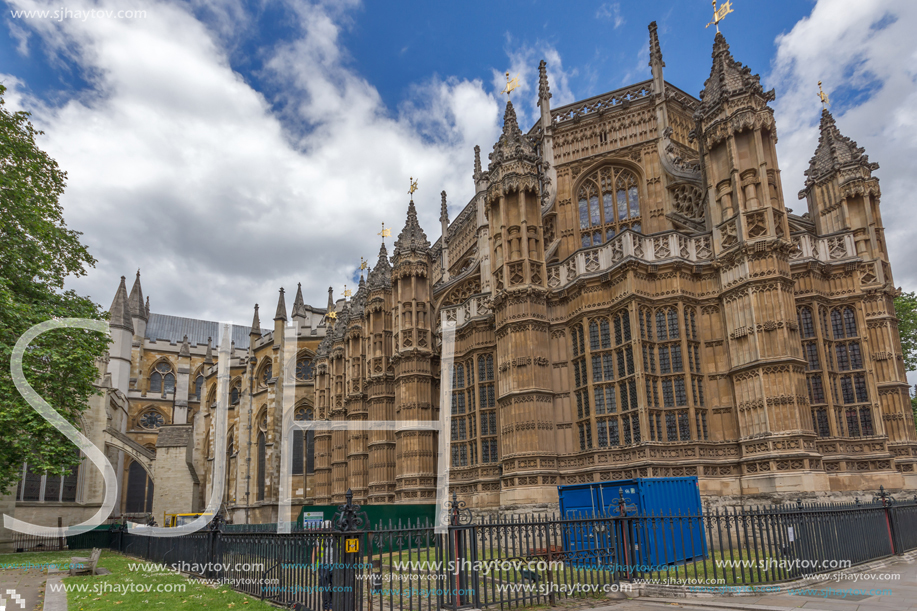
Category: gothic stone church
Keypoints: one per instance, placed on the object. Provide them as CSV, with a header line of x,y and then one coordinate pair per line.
x,y
631,298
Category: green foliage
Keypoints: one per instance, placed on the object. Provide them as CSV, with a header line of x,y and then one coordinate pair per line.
x,y
37,253
914,409
906,311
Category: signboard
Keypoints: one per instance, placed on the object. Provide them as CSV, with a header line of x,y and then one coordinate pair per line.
x,y
352,546
312,519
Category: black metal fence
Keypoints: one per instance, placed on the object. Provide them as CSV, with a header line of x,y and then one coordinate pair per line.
x,y
525,561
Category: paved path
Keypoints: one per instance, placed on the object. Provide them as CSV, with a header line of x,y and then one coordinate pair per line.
x,y
834,596
28,584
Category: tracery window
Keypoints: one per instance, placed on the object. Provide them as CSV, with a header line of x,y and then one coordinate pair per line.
x,y
806,324
151,420
303,443
198,386
162,380
609,203
235,393
266,374
261,481
38,487
464,425
304,370
833,355
487,415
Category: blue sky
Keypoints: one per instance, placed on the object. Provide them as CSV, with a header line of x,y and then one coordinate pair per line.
x,y
230,148
398,45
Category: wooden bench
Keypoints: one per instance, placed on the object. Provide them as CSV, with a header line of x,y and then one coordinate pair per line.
x,y
86,565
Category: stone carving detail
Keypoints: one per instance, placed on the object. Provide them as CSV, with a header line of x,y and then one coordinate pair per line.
x,y
757,224
553,277
797,248
638,247
515,273
837,249
592,261
683,250
571,269
661,247
868,273
688,200
728,234
617,251
702,248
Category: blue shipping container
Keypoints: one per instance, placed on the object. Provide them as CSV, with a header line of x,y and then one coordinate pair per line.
x,y
649,541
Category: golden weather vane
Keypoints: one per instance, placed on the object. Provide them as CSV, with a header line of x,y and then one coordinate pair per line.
x,y
720,13
823,97
386,233
511,84
363,265
413,188
347,292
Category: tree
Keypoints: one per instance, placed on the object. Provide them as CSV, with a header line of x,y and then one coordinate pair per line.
x,y
906,311
37,253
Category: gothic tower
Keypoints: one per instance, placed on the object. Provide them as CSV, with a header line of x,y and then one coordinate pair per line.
x,y
355,401
323,404
415,450
843,197
524,394
380,393
747,212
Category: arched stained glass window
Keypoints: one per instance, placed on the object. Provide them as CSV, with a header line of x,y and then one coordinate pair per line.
x,y
806,324
606,336
304,369
485,368
303,444
837,324
262,466
594,335
609,202
162,380
151,420
266,374
198,386
850,322
234,395
661,332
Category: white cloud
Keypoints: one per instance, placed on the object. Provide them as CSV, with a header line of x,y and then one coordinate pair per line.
x,y
523,62
864,53
177,166
611,11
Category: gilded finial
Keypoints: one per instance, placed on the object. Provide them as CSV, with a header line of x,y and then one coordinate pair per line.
x,y
413,187
823,97
347,292
385,233
511,84
363,265
331,315
719,14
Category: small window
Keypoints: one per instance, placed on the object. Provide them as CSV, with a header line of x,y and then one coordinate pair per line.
x,y
162,380
304,369
198,386
151,420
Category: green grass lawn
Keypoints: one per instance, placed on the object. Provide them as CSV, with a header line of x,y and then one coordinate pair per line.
x,y
195,595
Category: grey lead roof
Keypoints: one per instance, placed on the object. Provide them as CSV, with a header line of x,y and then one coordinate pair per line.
x,y
174,328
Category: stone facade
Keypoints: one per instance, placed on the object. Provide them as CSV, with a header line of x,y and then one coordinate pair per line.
x,y
631,298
